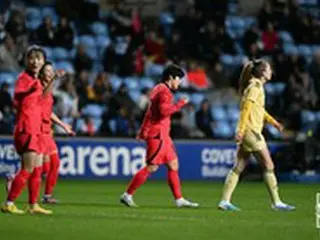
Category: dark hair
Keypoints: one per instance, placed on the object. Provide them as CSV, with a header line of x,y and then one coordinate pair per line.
x,y
254,68
35,48
172,71
259,66
41,73
43,67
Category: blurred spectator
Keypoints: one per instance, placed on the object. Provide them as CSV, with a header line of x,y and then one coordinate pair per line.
x,y
139,61
270,39
124,56
304,25
82,61
8,55
6,110
137,27
212,10
88,128
266,15
64,34
177,129
155,49
17,29
251,36
281,68
190,26
5,99
2,28
167,20
315,31
82,88
218,77
120,20
67,99
101,90
122,99
144,99
188,121
125,123
109,59
197,76
314,70
175,48
204,119
225,41
295,61
300,93
45,33
208,43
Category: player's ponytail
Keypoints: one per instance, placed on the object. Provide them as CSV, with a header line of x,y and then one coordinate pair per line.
x,y
245,76
259,66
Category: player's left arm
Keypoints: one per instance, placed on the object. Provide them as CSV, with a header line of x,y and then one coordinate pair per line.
x,y
62,124
166,108
272,121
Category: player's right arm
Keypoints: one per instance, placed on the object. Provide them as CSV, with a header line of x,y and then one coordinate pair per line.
x,y
272,121
166,108
24,87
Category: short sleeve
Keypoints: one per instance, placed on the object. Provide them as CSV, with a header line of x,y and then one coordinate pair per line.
x,y
24,85
252,93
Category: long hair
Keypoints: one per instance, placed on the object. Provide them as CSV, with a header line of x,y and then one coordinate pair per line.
x,y
254,68
259,66
245,76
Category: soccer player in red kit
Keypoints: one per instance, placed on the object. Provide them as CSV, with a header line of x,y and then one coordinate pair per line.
x,y
27,133
51,156
155,131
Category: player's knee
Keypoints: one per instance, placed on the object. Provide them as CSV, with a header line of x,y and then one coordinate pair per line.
x,y
173,165
152,168
268,165
238,169
239,166
46,158
38,162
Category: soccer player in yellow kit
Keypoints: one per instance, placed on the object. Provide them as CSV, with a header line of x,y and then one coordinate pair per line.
x,y
249,136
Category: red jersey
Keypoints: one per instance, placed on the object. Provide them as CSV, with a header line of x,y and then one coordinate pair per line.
x,y
27,101
47,106
157,121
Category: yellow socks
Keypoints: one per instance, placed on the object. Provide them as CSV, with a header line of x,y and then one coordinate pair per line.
x,y
272,185
229,185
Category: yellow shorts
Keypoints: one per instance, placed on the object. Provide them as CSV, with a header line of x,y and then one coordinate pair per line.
x,y
253,141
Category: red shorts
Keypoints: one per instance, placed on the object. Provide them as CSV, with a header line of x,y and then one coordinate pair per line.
x,y
48,143
160,151
26,142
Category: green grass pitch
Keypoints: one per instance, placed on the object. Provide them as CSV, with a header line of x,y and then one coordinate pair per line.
x,y
90,210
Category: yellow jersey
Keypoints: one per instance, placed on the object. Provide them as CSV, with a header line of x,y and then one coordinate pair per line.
x,y
254,93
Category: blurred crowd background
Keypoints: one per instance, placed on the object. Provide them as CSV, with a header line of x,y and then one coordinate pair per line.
x,y
114,52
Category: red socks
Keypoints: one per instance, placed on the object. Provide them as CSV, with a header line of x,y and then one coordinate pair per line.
x,y
174,183
138,180
46,167
34,185
142,176
18,184
52,176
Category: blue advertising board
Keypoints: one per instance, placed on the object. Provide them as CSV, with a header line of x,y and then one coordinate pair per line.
x,y
121,158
